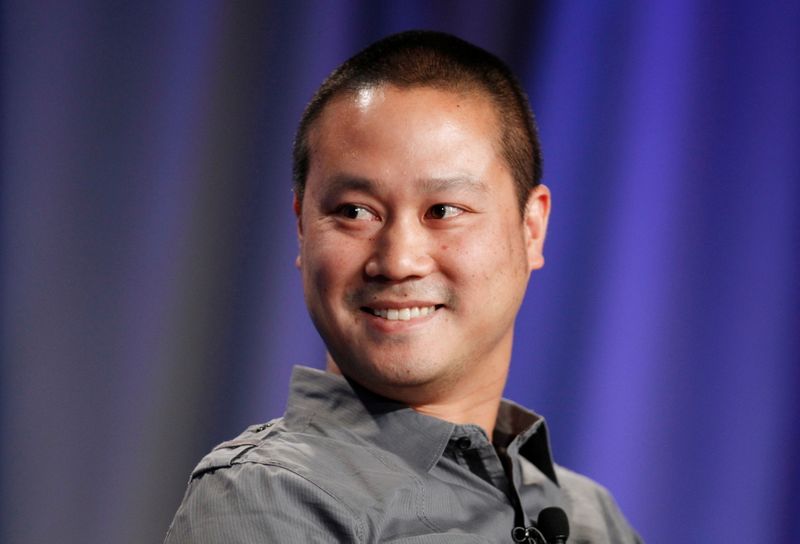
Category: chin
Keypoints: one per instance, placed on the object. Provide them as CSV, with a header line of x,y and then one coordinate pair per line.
x,y
387,377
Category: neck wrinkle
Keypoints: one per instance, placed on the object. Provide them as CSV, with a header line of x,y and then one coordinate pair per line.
x,y
479,408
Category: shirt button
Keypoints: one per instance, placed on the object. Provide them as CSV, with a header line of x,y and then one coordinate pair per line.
x,y
463,443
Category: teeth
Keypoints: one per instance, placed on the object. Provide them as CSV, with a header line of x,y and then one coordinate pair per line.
x,y
404,314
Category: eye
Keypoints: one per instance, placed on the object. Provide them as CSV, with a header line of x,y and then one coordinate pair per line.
x,y
443,211
356,213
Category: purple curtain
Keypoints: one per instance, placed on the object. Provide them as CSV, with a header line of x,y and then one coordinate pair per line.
x,y
151,307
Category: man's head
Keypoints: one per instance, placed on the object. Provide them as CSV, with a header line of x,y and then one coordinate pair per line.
x,y
433,59
415,244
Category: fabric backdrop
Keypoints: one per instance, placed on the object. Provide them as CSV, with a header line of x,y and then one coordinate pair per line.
x,y
151,307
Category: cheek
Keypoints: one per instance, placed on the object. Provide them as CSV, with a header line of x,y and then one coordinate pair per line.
x,y
488,270
485,254
329,265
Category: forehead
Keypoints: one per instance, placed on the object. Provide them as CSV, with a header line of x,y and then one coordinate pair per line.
x,y
400,120
366,94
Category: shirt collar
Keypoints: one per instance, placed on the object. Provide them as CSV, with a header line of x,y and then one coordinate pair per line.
x,y
528,436
342,409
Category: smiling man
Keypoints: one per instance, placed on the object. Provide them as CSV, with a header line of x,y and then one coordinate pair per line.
x,y
420,216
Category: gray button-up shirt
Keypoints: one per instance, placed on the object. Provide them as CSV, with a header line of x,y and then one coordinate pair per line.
x,y
344,465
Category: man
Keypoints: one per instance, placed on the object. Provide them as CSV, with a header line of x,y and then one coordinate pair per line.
x,y
420,217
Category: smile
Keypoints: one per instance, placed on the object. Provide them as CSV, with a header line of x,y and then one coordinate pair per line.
x,y
403,314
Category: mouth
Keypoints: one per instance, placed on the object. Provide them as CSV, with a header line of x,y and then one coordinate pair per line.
x,y
402,314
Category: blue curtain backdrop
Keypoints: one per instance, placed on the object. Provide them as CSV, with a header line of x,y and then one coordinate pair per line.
x,y
151,308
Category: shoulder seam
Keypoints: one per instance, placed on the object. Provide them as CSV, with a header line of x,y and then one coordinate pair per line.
x,y
360,531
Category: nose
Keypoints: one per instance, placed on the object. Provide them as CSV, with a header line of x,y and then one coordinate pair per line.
x,y
401,251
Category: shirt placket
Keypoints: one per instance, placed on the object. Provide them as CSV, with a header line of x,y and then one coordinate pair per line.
x,y
474,452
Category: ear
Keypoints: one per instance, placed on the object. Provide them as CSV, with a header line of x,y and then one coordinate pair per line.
x,y
537,212
298,213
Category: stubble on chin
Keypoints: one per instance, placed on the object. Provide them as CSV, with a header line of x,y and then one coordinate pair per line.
x,y
408,380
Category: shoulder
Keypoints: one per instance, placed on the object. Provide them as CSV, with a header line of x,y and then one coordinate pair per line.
x,y
331,459
255,489
594,514
264,444
581,488
288,483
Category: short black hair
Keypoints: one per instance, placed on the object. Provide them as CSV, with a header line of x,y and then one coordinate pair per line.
x,y
423,58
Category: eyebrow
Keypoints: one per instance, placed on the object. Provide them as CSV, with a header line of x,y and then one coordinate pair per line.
x,y
345,182
465,183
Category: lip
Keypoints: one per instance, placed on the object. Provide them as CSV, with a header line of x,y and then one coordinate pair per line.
x,y
399,323
399,305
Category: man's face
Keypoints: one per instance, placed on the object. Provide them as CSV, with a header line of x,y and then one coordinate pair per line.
x,y
414,256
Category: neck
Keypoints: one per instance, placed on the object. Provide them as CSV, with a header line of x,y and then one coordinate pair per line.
x,y
476,402
478,407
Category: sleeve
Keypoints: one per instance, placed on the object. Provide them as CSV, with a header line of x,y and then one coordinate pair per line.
x,y
257,503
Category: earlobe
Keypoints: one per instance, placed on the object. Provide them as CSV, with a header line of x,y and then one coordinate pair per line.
x,y
537,213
